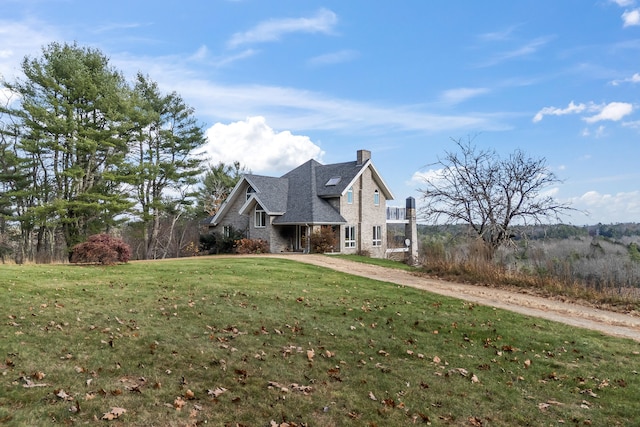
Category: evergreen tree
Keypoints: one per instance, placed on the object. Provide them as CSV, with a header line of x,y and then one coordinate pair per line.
x,y
162,165
70,128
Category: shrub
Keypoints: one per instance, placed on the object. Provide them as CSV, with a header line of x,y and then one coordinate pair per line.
x,y
323,240
101,249
252,246
217,243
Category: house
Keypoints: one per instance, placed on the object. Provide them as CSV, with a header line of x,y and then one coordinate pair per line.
x,y
349,197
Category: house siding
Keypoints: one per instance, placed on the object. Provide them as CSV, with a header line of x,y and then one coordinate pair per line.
x,y
238,222
364,215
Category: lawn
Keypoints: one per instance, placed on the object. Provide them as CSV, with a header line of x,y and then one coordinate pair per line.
x,y
264,342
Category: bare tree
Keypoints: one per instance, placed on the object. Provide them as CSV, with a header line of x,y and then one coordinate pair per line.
x,y
490,193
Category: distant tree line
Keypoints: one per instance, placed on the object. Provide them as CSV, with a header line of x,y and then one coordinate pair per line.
x,y
83,151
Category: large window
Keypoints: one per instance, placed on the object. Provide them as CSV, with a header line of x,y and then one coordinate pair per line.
x,y
377,235
261,217
350,236
376,198
350,195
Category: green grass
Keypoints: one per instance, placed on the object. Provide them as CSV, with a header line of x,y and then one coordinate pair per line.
x,y
157,338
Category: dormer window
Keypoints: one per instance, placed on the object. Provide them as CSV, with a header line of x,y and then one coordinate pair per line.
x,y
250,191
376,198
350,195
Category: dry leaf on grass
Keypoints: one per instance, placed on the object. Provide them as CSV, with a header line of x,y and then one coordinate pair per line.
x,y
60,393
217,391
113,413
179,403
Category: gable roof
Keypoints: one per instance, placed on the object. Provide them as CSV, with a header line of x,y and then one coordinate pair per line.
x,y
303,204
335,179
269,192
301,195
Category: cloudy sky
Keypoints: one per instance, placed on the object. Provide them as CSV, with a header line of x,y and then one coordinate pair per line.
x,y
277,82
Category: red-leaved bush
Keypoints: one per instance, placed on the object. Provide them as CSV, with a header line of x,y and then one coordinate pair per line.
x,y
101,249
252,246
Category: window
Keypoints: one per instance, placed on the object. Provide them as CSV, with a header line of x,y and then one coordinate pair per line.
x,y
377,235
261,217
226,231
350,195
250,191
333,181
376,198
350,236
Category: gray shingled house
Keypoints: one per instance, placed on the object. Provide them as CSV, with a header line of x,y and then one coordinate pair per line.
x,y
350,197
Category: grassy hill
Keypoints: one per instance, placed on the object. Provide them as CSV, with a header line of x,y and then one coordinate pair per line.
x,y
261,342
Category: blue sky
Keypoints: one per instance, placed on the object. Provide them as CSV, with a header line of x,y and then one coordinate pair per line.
x,y
276,83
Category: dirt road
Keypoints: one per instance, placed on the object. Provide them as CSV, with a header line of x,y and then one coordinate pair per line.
x,y
609,323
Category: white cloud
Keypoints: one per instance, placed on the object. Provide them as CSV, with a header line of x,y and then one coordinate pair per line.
x,y
291,108
609,208
613,111
633,79
623,3
272,30
601,132
526,49
553,111
631,18
333,57
258,147
20,39
456,96
420,177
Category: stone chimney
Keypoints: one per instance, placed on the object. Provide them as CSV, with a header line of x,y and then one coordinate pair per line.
x,y
363,156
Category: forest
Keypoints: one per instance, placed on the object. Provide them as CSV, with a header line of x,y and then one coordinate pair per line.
x,y
604,258
84,151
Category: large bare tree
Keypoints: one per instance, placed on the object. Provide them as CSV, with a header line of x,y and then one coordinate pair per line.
x,y
489,193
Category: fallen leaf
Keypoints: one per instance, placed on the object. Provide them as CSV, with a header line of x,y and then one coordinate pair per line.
x,y
179,403
475,422
474,379
372,396
38,375
62,394
114,413
75,408
310,355
189,395
217,391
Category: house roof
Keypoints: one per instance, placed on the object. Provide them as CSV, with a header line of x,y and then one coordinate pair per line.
x,y
303,204
301,195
